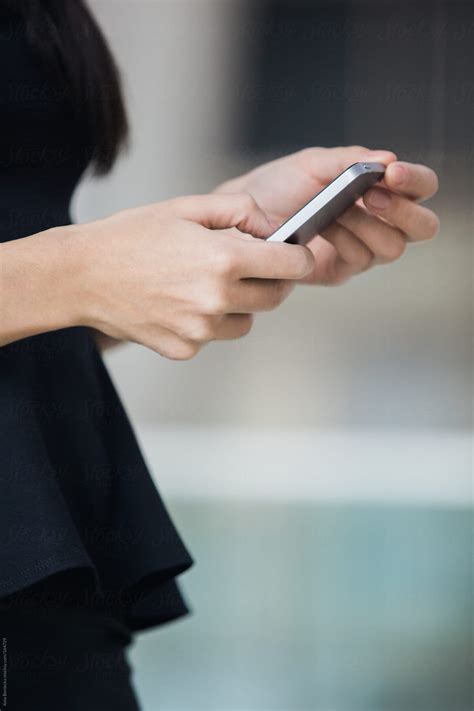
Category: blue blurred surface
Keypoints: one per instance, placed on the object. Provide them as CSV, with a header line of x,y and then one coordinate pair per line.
x,y
322,608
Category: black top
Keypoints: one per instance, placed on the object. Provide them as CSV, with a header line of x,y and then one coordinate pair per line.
x,y
76,500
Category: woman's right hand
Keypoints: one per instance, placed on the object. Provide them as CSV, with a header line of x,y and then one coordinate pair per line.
x,y
172,277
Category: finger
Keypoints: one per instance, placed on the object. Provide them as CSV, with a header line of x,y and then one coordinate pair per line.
x,y
328,270
386,243
412,180
254,295
170,345
272,260
224,210
416,222
326,163
350,251
234,326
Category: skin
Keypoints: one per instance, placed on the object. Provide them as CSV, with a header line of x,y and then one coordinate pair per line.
x,y
367,234
169,276
176,275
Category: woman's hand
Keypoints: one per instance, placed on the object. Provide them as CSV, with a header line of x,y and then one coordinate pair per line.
x,y
169,275
374,231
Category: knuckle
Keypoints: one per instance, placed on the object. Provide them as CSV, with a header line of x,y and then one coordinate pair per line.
x,y
359,256
394,249
225,262
277,295
364,260
215,303
200,329
432,225
184,350
246,324
303,262
435,179
178,349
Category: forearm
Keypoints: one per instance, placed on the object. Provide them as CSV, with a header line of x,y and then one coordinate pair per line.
x,y
39,284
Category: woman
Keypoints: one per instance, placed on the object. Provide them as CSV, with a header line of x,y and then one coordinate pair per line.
x,y
89,554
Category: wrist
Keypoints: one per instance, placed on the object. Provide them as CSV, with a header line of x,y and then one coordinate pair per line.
x,y
74,257
40,284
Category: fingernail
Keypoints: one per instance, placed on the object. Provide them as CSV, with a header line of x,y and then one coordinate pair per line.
x,y
398,174
378,199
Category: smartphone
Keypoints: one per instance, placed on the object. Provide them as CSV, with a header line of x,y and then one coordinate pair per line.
x,y
327,205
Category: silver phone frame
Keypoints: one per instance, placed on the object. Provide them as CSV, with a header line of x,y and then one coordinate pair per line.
x,y
340,185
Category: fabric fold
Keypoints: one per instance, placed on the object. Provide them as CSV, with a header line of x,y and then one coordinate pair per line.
x,y
76,492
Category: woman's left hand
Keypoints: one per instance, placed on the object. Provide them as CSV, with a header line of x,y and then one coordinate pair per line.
x,y
374,231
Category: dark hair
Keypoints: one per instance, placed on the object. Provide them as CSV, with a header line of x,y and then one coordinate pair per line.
x,y
72,45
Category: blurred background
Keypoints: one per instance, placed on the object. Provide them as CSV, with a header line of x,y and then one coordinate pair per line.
x,y
320,470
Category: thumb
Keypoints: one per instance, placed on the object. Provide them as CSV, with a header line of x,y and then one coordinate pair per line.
x,y
224,210
325,164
